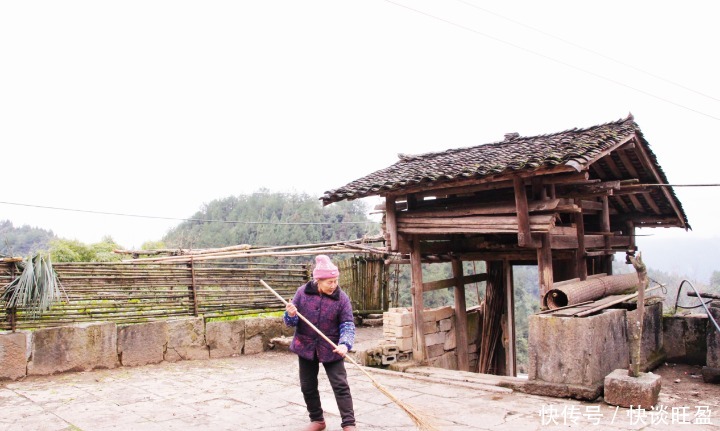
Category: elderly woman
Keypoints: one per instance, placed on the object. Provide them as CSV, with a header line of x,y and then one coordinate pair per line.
x,y
325,305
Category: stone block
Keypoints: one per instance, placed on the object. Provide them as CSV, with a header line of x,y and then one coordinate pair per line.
x,y
397,319
685,338
254,345
474,323
713,337
447,361
446,324
186,339
79,347
398,331
225,338
430,327
435,351
450,340
142,343
444,313
404,344
711,375
258,333
13,354
436,338
577,351
652,353
625,391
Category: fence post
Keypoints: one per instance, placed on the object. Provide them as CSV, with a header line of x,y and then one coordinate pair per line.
x,y
193,288
12,312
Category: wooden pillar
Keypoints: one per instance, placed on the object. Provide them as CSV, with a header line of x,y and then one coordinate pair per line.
x,y
523,216
391,222
417,301
545,267
461,328
605,226
580,252
510,362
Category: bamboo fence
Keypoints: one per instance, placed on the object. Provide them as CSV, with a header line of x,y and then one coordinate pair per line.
x,y
134,292
128,292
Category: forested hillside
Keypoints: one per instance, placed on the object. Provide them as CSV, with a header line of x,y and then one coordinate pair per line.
x,y
23,240
267,219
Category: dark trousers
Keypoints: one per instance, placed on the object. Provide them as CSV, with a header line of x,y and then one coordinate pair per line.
x,y
338,380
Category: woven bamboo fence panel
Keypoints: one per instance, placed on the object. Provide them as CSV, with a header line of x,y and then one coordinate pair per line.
x,y
365,280
129,292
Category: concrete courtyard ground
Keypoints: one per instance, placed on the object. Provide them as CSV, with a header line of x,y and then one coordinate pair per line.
x,y
260,392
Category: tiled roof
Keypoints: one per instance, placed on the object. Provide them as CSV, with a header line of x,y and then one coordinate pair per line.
x,y
575,146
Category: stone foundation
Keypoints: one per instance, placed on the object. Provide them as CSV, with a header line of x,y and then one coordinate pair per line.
x,y
84,347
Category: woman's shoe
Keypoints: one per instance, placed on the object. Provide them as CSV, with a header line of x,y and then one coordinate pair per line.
x,y
315,426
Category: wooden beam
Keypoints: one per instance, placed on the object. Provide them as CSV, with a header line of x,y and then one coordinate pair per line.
x,y
636,203
651,202
523,216
510,353
450,282
599,156
495,208
580,254
592,205
645,160
391,223
419,353
627,163
621,203
605,228
613,167
461,323
545,267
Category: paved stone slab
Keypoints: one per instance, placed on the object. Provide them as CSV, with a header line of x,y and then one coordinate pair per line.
x,y
260,392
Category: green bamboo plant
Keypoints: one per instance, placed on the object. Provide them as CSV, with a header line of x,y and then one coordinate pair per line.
x,y
36,289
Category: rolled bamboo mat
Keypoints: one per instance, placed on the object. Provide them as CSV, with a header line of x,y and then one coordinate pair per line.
x,y
591,289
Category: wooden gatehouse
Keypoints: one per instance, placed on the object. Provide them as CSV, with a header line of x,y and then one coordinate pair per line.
x,y
566,202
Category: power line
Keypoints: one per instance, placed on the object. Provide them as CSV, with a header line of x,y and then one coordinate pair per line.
x,y
592,51
547,57
184,219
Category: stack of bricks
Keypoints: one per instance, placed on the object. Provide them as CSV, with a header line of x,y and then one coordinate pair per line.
x,y
438,328
398,331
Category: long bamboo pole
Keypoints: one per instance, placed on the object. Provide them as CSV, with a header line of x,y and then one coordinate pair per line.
x,y
420,420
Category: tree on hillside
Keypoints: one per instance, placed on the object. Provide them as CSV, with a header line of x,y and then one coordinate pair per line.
x,y
270,219
66,250
24,240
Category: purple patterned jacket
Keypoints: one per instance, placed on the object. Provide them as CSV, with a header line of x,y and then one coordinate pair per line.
x,y
330,314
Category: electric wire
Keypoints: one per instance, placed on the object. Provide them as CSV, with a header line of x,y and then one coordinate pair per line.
x,y
556,60
599,54
185,219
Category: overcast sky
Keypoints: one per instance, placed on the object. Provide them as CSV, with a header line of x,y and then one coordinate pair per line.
x,y
156,107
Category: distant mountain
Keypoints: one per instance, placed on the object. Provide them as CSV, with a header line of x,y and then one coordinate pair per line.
x,y
23,240
691,257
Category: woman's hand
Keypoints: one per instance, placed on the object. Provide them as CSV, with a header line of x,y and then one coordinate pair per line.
x,y
341,350
291,309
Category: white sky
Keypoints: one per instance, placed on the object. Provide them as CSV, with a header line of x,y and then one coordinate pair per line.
x,y
156,107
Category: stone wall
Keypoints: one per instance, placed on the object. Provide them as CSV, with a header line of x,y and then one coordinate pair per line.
x,y
570,356
88,346
685,338
439,332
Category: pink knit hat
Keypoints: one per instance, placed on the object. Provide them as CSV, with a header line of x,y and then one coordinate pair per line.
x,y
324,268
